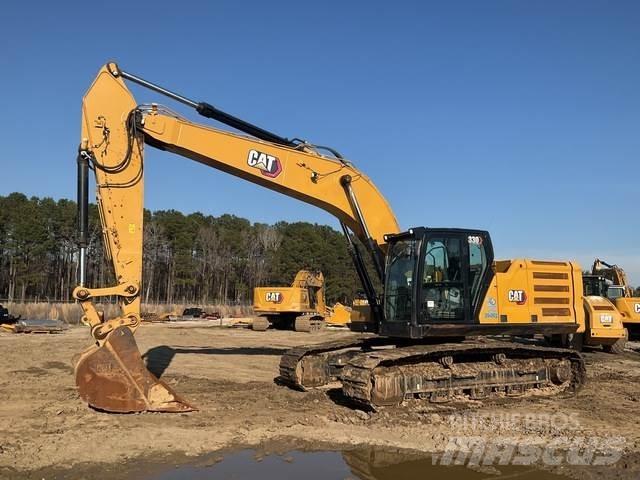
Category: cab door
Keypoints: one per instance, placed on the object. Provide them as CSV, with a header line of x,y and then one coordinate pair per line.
x,y
444,279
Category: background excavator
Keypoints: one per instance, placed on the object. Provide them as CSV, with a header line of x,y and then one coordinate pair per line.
x,y
300,306
440,284
610,281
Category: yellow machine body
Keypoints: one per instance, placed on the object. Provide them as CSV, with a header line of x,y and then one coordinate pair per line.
x,y
543,294
339,315
629,308
305,295
604,324
532,291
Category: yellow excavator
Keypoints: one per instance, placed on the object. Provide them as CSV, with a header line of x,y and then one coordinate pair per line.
x,y
440,284
300,307
610,281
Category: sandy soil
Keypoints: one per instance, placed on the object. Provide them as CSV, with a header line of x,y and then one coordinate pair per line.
x,y
229,374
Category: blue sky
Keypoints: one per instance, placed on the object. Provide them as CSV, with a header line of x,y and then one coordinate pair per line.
x,y
518,117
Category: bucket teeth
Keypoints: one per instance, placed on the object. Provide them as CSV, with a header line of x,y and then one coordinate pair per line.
x,y
113,378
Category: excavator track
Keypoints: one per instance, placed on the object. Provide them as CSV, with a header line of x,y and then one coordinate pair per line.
x,y
309,323
440,373
375,372
311,366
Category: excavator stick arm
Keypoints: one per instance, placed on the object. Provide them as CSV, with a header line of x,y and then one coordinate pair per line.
x,y
110,374
614,273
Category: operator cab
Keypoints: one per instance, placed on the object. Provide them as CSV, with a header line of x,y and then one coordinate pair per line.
x,y
596,285
435,276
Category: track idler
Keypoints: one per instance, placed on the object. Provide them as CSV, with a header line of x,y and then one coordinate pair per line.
x,y
112,377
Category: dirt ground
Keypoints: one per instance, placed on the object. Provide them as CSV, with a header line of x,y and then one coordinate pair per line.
x,y
229,374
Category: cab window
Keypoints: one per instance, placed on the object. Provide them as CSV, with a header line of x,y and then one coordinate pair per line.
x,y
442,279
398,289
477,264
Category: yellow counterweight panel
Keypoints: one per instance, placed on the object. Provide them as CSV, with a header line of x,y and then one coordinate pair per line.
x,y
533,291
280,299
604,321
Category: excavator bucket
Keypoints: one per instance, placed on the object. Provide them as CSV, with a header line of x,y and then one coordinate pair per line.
x,y
113,378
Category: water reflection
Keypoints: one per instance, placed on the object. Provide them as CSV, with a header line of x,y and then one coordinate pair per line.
x,y
360,464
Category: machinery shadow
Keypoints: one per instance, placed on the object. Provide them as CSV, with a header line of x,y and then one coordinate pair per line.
x,y
158,359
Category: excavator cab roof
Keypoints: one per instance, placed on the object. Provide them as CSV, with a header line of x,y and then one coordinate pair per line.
x,y
421,231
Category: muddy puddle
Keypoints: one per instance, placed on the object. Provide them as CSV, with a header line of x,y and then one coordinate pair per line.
x,y
366,464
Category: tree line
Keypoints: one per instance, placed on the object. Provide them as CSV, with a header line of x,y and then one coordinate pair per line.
x,y
192,258
188,258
